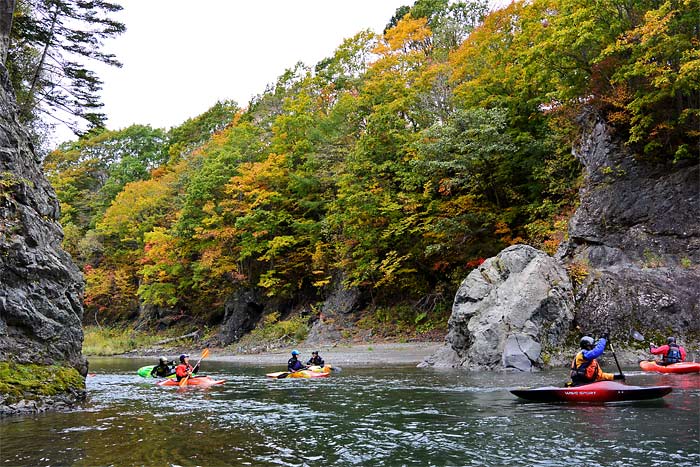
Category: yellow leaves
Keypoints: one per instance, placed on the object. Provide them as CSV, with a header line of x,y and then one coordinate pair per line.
x,y
407,36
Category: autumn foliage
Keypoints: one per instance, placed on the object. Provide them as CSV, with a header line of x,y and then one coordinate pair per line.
x,y
396,165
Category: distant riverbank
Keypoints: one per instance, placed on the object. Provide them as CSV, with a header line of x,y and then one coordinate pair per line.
x,y
340,355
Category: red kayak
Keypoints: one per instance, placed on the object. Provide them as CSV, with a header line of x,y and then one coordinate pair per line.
x,y
682,367
602,391
194,381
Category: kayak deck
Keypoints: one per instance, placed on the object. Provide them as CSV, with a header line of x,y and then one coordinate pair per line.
x,y
602,391
680,368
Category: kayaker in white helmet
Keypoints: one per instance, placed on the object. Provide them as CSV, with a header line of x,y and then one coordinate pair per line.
x,y
164,368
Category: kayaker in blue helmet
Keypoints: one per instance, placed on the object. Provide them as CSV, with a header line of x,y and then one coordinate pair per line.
x,y
585,368
294,364
164,368
671,352
315,359
185,368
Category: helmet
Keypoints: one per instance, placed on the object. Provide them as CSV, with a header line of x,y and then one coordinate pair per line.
x,y
671,340
315,352
586,342
295,352
163,360
183,357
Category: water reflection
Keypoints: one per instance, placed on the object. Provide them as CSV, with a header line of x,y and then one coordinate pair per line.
x,y
363,416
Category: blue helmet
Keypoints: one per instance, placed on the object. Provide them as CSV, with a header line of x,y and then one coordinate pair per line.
x,y
295,352
183,357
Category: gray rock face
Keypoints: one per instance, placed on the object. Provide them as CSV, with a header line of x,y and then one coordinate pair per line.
x,y
506,309
637,234
41,288
243,310
335,313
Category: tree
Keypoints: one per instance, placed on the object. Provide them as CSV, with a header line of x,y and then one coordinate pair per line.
x,y
49,42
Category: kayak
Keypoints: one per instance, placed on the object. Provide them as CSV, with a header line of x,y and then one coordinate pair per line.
x,y
145,371
601,391
320,369
682,367
299,374
193,381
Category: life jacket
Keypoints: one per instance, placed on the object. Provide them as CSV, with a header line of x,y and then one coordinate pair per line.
x,y
182,369
315,360
673,355
294,364
162,371
586,372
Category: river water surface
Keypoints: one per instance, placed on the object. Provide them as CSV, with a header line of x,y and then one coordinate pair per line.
x,y
359,416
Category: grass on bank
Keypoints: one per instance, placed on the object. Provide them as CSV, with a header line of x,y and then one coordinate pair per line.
x,y
106,341
272,333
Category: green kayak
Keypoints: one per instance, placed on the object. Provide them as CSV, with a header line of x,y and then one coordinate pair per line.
x,y
145,371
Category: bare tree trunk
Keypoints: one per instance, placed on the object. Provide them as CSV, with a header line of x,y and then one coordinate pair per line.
x,y
7,8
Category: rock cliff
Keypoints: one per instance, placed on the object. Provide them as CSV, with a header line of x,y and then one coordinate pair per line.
x,y
633,252
635,239
41,288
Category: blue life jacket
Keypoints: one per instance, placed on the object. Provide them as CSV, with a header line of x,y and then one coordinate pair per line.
x,y
673,355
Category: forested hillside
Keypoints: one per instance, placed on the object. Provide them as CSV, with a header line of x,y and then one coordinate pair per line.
x,y
395,166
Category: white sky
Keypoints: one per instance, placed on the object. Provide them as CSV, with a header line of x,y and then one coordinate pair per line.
x,y
180,57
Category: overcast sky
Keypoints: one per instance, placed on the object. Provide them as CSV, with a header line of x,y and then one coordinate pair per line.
x,y
181,57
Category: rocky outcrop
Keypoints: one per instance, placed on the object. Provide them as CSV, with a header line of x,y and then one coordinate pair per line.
x,y
505,310
41,293
242,311
635,240
336,313
633,251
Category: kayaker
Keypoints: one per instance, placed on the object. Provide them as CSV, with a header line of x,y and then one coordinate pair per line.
x,y
671,352
585,368
315,359
294,364
164,368
184,368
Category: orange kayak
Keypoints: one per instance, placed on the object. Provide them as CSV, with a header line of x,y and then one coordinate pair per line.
x,y
682,367
194,381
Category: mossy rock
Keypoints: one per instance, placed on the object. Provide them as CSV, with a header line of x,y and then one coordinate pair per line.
x,y
32,382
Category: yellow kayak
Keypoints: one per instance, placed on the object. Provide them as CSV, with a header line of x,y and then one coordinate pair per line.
x,y
312,372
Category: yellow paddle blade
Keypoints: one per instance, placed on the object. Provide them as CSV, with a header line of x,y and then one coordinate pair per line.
x,y
205,353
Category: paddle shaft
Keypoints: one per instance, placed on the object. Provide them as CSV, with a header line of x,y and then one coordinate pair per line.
x,y
612,349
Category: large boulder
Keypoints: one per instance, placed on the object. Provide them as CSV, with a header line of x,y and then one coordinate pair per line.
x,y
41,294
634,240
506,310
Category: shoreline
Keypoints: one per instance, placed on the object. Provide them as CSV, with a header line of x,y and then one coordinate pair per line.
x,y
371,354
384,353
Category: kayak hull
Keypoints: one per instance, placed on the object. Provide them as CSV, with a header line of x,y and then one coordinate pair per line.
x,y
194,381
299,374
680,368
602,391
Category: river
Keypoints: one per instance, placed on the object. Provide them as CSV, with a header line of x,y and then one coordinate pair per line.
x,y
390,416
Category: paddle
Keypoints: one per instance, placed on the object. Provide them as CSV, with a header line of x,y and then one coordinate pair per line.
x,y
612,349
637,336
183,381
